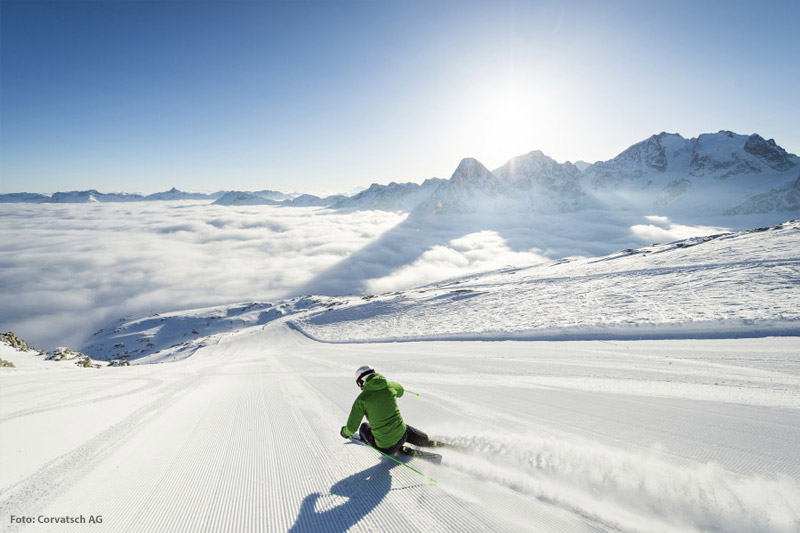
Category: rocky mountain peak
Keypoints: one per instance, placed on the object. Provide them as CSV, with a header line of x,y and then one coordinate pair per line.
x,y
769,152
530,165
471,173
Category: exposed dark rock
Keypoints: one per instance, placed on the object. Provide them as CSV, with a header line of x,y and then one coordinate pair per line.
x,y
769,152
15,342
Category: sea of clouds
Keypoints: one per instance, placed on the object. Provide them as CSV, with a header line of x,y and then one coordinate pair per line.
x,y
67,270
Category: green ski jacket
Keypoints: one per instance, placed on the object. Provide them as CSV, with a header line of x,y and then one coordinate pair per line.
x,y
378,401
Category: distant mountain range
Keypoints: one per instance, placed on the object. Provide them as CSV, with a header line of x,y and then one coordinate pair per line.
x,y
719,173
92,196
715,173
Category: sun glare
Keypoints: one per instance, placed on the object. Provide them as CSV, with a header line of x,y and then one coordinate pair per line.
x,y
503,120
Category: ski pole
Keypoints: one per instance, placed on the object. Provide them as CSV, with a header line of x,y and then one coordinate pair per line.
x,y
412,392
433,481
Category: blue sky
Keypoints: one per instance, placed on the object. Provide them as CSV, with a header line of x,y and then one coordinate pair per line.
x,y
328,96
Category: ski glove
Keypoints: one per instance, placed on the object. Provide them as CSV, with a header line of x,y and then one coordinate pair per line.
x,y
342,432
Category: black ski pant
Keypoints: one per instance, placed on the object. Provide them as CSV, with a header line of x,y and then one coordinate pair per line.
x,y
412,436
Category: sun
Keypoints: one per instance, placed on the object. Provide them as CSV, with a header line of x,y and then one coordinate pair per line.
x,y
505,119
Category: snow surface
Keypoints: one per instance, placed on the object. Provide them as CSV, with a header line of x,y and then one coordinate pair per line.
x,y
572,418
680,435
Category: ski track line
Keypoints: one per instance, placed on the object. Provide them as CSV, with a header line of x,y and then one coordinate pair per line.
x,y
211,482
149,384
234,486
289,423
134,466
51,396
29,496
163,504
305,409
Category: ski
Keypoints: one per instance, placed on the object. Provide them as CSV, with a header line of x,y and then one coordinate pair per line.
x,y
407,450
440,444
428,456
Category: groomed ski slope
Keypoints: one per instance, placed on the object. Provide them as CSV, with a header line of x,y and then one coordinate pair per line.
x,y
671,435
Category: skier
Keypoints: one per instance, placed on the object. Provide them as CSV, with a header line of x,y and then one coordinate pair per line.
x,y
385,429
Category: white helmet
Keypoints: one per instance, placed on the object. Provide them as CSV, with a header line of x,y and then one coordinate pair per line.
x,y
361,373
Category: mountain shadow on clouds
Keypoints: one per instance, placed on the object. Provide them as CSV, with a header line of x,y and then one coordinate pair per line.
x,y
548,236
399,246
363,492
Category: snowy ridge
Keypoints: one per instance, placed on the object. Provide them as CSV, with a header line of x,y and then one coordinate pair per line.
x,y
700,287
245,198
549,186
721,173
392,197
471,189
93,196
175,336
276,198
712,172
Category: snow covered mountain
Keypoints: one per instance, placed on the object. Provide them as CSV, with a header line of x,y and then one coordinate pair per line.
x,y
471,189
713,172
276,198
93,196
23,197
392,197
546,185
244,198
175,194
719,173
310,200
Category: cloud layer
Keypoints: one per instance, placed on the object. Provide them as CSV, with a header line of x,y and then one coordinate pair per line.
x,y
67,270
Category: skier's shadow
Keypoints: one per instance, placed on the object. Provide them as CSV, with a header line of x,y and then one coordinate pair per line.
x,y
363,490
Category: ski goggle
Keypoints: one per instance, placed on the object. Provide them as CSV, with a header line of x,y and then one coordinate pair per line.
x,y
360,380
